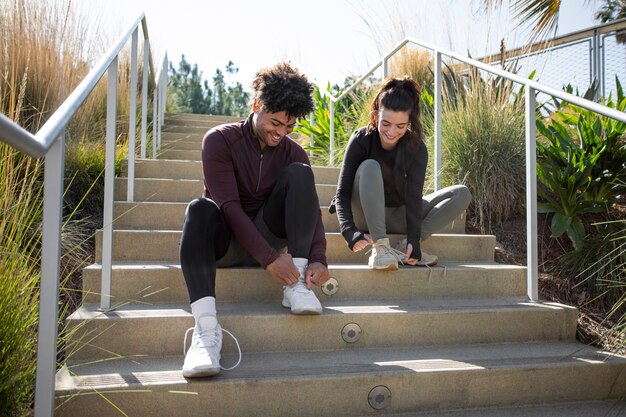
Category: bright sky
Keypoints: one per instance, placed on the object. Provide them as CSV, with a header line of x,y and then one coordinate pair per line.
x,y
326,39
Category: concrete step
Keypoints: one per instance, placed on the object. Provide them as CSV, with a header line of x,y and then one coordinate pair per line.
x,y
182,145
192,170
169,216
268,327
188,129
182,118
165,169
184,190
608,408
346,382
162,190
179,155
173,136
161,283
163,245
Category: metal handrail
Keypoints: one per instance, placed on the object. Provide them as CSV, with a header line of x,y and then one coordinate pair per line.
x,y
531,89
49,142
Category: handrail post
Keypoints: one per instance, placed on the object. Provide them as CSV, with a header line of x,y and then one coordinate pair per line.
x,y
332,132
164,70
531,196
159,110
132,118
144,97
311,139
437,121
109,181
594,61
385,66
49,286
155,119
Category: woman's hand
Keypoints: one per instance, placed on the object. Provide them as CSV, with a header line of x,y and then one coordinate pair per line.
x,y
362,244
407,256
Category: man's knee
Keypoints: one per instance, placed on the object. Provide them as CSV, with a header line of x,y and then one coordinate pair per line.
x,y
300,173
201,208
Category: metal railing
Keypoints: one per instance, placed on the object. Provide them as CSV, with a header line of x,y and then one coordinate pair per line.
x,y
589,48
531,90
49,142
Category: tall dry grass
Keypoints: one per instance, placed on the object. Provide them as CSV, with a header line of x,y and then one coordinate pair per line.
x,y
47,48
483,135
415,63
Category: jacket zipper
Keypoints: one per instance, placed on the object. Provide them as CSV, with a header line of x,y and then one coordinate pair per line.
x,y
258,183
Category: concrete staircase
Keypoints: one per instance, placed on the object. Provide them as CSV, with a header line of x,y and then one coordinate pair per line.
x,y
459,339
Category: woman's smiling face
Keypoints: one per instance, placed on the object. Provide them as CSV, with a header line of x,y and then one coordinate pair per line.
x,y
392,125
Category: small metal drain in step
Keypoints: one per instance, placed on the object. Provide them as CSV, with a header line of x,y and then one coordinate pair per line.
x,y
379,397
330,287
351,333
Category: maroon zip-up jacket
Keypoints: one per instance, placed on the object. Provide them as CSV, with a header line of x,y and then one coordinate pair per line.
x,y
238,177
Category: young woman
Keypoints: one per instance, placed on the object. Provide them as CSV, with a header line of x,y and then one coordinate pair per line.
x,y
382,179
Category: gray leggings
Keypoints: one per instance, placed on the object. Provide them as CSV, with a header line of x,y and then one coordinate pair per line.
x,y
370,214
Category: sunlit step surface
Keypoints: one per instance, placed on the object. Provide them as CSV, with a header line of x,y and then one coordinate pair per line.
x,y
267,326
340,383
185,190
192,170
159,283
164,245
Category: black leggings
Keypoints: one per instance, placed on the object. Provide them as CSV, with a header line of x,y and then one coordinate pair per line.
x,y
290,212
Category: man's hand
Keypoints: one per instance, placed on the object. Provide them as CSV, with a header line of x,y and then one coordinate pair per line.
x,y
283,270
362,244
316,273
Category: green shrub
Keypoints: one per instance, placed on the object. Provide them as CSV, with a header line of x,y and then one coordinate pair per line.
x,y
350,113
581,168
601,264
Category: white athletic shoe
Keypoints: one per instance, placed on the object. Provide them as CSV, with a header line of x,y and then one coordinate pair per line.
x,y
203,357
300,299
384,256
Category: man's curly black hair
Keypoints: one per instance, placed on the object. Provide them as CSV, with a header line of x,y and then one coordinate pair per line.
x,y
283,88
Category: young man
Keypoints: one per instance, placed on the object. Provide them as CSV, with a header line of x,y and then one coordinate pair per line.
x,y
259,198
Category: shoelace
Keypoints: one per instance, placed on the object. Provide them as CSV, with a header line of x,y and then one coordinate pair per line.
x,y
403,244
399,255
223,330
300,287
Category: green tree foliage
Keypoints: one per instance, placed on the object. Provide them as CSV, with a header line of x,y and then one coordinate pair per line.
x,y
188,92
191,94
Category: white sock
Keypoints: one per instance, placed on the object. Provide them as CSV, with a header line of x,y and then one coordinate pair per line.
x,y
203,307
301,264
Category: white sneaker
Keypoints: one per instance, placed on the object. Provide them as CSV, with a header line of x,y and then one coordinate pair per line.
x,y
300,299
427,259
203,357
384,256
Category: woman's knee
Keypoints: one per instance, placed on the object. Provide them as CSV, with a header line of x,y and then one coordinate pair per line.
x,y
369,166
464,195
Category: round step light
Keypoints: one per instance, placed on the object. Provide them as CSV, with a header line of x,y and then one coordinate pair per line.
x,y
379,397
330,287
351,333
